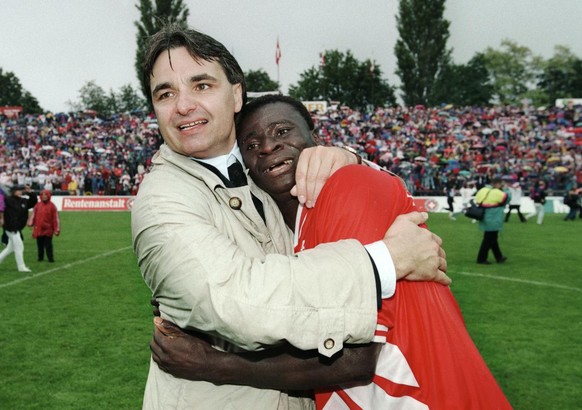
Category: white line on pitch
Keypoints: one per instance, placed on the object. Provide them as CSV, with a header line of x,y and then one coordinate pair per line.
x,y
529,282
68,265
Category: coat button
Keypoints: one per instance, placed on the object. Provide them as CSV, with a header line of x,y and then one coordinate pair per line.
x,y
235,203
328,344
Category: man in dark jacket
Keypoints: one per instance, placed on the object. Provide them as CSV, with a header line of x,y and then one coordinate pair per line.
x,y
15,218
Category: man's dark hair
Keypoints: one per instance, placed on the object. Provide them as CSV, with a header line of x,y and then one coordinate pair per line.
x,y
257,103
199,45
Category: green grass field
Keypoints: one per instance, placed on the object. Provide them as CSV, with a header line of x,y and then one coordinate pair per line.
x,y
75,334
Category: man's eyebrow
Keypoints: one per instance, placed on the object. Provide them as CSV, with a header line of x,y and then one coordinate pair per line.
x,y
159,87
202,77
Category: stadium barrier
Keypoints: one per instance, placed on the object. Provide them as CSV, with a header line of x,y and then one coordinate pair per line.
x,y
554,204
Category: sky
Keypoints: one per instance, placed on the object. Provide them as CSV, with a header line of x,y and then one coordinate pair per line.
x,y
56,46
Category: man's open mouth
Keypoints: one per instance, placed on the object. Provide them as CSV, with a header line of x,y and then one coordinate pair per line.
x,y
191,124
278,166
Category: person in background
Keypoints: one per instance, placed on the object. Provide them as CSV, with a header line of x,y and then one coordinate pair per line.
x,y
15,218
450,188
538,194
493,199
45,223
515,203
572,199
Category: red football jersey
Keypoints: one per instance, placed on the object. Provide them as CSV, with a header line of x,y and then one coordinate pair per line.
x,y
428,360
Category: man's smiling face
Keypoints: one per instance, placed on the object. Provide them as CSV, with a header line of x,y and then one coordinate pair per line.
x,y
194,104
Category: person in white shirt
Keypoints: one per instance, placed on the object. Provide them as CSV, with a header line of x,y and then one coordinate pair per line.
x,y
515,203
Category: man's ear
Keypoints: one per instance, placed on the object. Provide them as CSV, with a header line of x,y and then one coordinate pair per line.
x,y
238,100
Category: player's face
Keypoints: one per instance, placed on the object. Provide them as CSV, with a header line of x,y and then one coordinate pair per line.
x,y
194,104
271,140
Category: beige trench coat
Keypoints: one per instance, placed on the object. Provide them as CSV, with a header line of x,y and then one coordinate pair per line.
x,y
219,269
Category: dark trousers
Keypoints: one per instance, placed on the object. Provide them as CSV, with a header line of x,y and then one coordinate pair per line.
x,y
45,243
489,243
572,214
516,207
450,202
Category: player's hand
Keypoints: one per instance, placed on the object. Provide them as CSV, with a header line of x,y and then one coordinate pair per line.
x,y
315,166
179,353
416,252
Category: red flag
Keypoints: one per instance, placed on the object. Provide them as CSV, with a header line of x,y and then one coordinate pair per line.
x,y
277,52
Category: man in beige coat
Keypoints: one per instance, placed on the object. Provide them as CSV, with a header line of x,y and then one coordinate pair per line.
x,y
218,258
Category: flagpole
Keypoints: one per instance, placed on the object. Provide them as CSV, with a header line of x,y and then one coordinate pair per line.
x,y
277,58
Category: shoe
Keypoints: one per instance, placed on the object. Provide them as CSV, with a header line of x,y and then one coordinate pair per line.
x,y
484,263
51,260
502,260
25,269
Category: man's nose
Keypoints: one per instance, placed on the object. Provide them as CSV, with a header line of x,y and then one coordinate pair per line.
x,y
270,144
186,102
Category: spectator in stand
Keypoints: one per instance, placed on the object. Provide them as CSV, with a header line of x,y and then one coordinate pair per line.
x,y
45,223
515,203
493,199
538,194
15,218
508,140
572,199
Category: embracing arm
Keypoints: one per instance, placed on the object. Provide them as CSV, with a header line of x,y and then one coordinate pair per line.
x,y
190,357
219,271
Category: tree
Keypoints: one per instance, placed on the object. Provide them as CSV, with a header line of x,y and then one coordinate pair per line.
x,y
344,78
513,70
464,85
420,50
127,99
561,76
93,97
14,94
152,18
259,80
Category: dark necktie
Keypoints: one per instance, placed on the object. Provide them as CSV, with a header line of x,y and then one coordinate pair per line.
x,y
236,174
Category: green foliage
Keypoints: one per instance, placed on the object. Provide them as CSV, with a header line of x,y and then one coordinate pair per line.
x,y
13,94
421,50
128,99
344,78
75,333
513,70
561,76
93,97
152,18
463,85
259,80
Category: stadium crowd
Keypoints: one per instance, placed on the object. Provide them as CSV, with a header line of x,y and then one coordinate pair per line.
x,y
430,148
